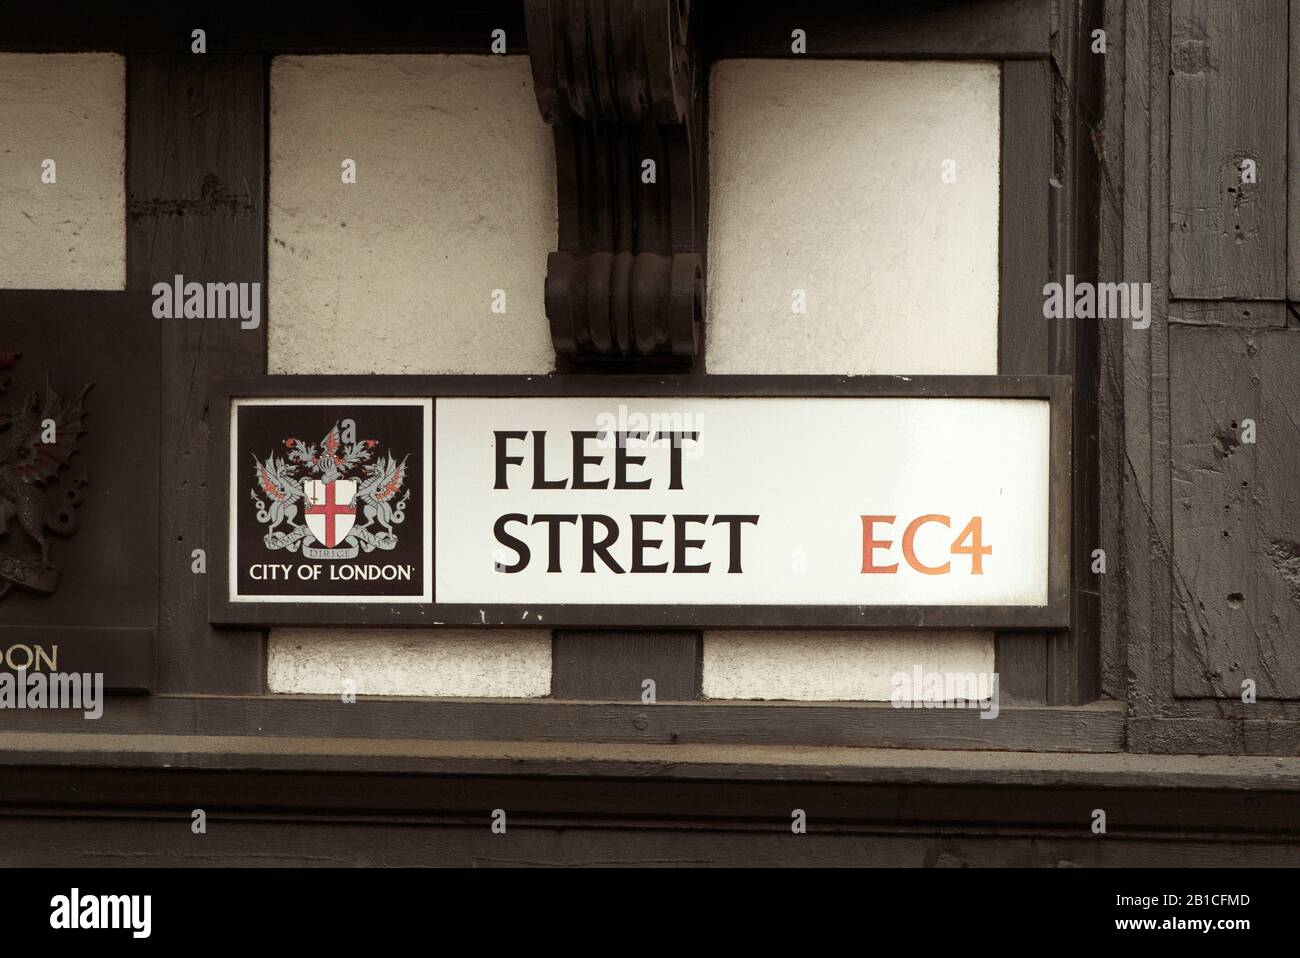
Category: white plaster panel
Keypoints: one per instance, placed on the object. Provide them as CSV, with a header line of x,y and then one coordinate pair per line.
x,y
459,663
69,108
826,177
454,198
832,666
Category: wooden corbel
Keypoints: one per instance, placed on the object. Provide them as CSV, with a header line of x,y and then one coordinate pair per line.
x,y
616,80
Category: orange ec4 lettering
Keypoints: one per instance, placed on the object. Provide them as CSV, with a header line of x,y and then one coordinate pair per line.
x,y
970,541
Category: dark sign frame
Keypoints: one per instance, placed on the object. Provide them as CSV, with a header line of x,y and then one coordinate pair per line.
x,y
1055,614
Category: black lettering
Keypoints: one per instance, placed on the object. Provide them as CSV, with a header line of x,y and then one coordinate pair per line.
x,y
675,456
581,461
683,543
506,539
591,548
621,460
504,460
640,544
539,464
553,538
736,522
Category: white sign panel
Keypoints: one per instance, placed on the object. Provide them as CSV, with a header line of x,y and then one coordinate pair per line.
x,y
811,501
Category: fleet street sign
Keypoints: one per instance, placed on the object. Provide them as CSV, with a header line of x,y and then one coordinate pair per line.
x,y
817,502
743,501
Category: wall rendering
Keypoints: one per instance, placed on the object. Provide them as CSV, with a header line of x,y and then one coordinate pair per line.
x,y
71,109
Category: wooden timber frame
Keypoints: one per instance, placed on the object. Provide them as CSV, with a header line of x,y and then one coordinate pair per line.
x,y
613,775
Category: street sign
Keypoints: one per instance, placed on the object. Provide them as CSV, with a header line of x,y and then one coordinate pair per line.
x,y
817,502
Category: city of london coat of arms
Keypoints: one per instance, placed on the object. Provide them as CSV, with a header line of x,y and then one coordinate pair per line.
x,y
331,501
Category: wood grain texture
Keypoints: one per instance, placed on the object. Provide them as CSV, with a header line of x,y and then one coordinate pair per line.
x,y
1172,388
1168,402
297,799
1153,537
621,86
611,666
931,28
1194,734
1236,517
1239,314
237,842
196,159
1020,661
1023,231
1021,657
682,761
1293,155
1098,728
1142,562
1073,344
1110,361
1228,104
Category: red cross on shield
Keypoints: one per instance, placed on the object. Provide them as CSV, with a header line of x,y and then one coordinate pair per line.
x,y
331,509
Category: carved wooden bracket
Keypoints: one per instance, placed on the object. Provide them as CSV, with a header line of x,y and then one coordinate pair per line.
x,y
616,79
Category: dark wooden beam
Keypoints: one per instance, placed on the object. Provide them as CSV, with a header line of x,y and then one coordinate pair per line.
x,y
1074,345
165,26
1112,466
859,725
845,791
614,666
1021,657
196,206
255,840
1236,615
1228,105
957,29
1024,228
1293,158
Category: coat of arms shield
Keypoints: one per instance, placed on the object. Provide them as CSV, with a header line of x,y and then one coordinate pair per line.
x,y
331,509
